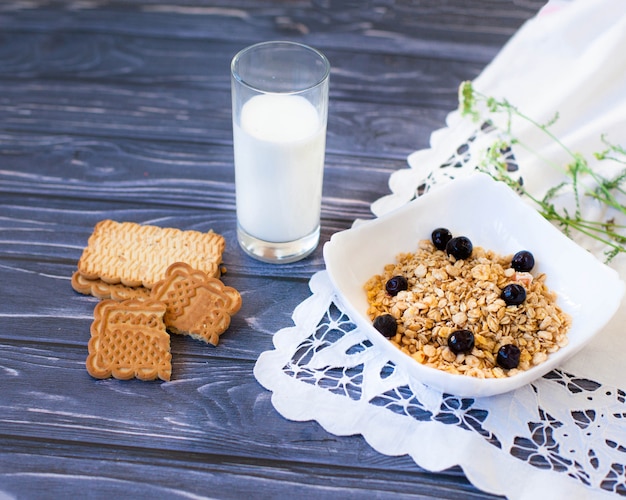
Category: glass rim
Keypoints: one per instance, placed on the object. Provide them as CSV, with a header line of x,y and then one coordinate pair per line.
x,y
326,64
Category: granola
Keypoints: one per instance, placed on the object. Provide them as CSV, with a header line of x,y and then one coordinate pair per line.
x,y
445,295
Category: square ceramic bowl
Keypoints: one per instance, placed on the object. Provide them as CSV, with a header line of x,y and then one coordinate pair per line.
x,y
494,217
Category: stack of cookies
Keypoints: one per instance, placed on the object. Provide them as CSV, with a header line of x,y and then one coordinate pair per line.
x,y
152,281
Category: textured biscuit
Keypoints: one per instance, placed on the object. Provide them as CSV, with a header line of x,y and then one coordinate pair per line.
x,y
138,255
129,339
103,290
197,305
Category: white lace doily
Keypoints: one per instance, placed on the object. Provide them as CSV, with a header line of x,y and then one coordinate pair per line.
x,y
563,436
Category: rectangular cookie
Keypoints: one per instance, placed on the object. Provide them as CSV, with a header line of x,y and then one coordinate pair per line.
x,y
129,339
103,290
138,255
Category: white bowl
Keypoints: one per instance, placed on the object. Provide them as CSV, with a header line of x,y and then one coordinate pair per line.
x,y
494,217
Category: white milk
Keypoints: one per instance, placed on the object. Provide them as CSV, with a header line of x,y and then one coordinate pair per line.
x,y
279,163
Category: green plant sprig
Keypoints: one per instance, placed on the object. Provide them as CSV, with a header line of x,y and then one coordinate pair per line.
x,y
481,108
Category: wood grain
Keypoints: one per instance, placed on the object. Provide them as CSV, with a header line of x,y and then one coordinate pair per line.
x,y
121,109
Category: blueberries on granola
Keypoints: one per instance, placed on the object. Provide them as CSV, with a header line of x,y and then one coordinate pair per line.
x,y
440,238
461,342
396,284
513,294
508,356
459,247
450,282
523,261
386,324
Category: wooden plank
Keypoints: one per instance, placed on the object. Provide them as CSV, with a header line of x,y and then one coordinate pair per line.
x,y
191,175
442,29
193,117
73,469
139,61
196,117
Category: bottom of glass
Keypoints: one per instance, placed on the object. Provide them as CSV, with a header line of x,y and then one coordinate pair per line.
x,y
278,253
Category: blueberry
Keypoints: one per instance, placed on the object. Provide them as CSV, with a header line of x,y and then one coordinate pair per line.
x,y
440,238
459,247
508,356
396,284
386,324
513,294
523,261
461,341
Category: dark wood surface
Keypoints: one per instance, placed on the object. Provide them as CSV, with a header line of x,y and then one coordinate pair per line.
x,y
121,109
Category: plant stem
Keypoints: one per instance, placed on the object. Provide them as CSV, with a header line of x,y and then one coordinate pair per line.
x,y
603,190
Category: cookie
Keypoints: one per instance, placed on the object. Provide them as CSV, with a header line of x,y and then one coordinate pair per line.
x,y
197,305
103,290
138,255
129,339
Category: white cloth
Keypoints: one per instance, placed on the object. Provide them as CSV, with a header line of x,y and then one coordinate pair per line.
x,y
563,436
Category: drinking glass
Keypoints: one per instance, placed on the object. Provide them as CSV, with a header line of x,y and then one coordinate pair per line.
x,y
280,109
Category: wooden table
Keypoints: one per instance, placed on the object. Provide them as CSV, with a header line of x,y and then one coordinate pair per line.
x,y
121,109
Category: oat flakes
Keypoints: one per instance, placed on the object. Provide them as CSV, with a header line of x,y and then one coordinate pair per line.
x,y
446,294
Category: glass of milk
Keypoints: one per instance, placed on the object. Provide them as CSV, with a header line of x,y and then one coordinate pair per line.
x,y
280,109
